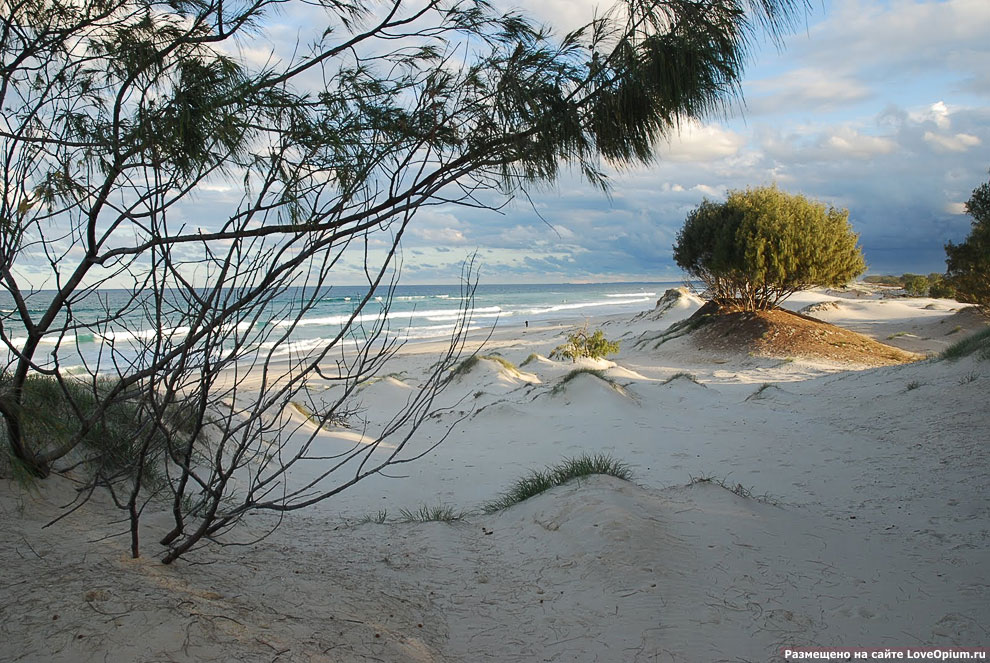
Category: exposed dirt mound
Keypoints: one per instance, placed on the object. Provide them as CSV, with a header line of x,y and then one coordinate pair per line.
x,y
782,334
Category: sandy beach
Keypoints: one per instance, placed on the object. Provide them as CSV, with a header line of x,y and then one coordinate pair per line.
x,y
776,500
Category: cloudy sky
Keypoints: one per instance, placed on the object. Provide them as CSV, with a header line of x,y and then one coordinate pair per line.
x,y
881,107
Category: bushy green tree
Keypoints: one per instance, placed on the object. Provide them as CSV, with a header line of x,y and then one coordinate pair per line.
x,y
940,286
761,245
915,284
968,263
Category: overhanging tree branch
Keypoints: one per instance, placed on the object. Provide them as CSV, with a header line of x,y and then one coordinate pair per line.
x,y
125,111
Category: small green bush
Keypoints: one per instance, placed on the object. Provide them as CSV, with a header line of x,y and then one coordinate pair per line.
x,y
537,482
581,344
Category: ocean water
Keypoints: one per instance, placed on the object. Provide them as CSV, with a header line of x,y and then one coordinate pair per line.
x,y
105,333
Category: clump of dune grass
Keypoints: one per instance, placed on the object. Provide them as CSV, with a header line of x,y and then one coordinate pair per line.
x,y
538,481
969,377
594,372
468,364
530,359
503,362
978,343
759,392
376,519
439,513
738,489
682,374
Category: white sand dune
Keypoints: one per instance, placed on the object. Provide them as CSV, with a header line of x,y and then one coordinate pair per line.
x,y
492,375
774,503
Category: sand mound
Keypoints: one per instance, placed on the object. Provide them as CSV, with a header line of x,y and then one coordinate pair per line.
x,y
675,307
388,387
587,387
623,373
969,319
549,370
783,334
492,369
676,304
821,306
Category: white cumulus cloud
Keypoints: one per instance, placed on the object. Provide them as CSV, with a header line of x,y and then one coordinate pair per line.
x,y
951,143
701,142
852,143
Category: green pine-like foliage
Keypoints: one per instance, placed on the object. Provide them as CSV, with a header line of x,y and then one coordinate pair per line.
x,y
761,245
581,344
968,263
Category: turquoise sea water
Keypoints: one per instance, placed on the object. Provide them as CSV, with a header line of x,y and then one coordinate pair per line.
x,y
413,312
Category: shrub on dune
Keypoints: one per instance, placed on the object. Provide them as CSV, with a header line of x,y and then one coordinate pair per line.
x,y
762,245
581,345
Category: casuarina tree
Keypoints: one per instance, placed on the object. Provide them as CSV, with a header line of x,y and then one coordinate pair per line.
x,y
120,115
762,245
968,263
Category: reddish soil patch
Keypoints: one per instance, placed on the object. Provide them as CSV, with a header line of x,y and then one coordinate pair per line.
x,y
783,334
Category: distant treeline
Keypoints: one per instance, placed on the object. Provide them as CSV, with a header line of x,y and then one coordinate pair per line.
x,y
933,285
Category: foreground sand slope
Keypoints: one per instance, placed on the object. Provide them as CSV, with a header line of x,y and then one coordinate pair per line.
x,y
776,502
